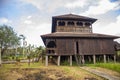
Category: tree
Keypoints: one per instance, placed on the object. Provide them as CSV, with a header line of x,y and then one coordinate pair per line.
x,y
40,51
8,38
23,42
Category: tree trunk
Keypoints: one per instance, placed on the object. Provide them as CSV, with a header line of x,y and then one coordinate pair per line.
x,y
3,50
0,58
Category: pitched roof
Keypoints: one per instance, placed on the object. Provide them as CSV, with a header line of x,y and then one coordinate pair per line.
x,y
73,16
78,35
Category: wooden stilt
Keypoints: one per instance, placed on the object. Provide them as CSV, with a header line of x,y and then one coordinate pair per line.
x,y
83,60
94,59
58,63
70,60
108,58
46,60
89,58
114,58
104,58
79,59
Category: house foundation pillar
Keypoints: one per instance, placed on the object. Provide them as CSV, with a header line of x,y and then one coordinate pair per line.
x,y
83,59
104,58
108,58
94,59
58,63
46,60
70,60
114,58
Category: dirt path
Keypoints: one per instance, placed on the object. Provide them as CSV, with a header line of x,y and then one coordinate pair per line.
x,y
106,73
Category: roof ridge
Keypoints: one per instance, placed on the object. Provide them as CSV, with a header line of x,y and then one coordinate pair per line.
x,y
71,15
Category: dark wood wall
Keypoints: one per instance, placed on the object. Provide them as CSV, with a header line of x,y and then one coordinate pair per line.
x,y
65,46
81,46
95,46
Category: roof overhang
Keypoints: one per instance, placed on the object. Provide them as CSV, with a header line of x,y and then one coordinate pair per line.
x,y
77,35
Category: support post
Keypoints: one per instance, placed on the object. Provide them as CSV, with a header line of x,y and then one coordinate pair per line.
x,y
94,59
70,60
108,58
58,63
104,58
46,60
114,58
83,60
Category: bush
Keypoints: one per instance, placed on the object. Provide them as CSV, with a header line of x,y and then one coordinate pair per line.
x,y
17,59
5,58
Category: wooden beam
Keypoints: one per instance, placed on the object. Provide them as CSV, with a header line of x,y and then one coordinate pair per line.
x,y
104,58
70,60
46,60
58,63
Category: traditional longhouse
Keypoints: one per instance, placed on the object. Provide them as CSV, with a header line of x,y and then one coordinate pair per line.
x,y
72,36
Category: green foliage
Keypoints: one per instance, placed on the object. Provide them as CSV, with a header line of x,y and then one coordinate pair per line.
x,y
5,58
65,63
18,59
118,53
8,38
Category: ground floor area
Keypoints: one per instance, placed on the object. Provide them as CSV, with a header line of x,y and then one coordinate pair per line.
x,y
79,59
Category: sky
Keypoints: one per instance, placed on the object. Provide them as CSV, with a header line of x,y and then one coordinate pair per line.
x,y
33,18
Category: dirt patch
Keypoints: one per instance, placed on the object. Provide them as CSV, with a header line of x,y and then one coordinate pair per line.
x,y
39,74
47,73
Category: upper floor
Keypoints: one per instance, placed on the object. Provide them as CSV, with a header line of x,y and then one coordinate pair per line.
x,y
72,23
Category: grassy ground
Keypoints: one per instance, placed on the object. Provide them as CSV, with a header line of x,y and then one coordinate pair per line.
x,y
111,66
37,71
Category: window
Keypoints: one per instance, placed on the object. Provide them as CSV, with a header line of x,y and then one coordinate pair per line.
x,y
61,23
79,24
77,47
51,44
70,23
87,24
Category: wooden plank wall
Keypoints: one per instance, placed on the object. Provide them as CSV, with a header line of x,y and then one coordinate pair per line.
x,y
65,46
96,46
86,46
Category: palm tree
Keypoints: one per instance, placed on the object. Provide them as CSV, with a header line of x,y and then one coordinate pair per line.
x,y
23,41
40,52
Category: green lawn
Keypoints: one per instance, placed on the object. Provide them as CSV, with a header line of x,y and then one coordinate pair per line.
x,y
111,66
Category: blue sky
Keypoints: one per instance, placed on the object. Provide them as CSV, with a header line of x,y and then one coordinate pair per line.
x,y
32,18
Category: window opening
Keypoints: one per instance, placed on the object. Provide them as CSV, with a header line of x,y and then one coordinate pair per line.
x,y
77,47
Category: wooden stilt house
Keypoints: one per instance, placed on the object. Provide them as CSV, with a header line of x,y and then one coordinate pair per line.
x,y
72,36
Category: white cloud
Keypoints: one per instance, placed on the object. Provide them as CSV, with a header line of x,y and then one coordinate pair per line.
x,y
32,27
111,28
28,22
76,3
4,20
103,7
29,17
47,5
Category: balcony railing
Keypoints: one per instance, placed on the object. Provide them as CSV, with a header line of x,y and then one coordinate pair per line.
x,y
51,51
